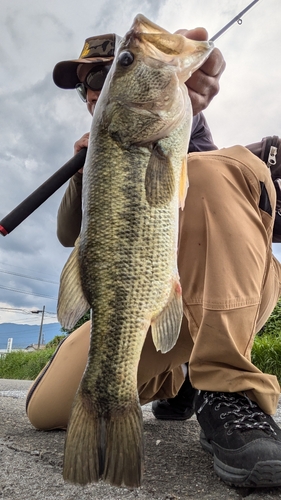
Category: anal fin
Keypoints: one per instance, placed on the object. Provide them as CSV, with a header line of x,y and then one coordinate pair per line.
x,y
166,326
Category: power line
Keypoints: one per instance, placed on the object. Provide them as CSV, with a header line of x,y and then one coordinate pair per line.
x,y
29,277
27,293
24,269
23,311
14,309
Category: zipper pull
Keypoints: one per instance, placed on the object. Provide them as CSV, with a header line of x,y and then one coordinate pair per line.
x,y
272,156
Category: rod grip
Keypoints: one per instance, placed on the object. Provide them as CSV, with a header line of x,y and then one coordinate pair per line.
x,y
42,193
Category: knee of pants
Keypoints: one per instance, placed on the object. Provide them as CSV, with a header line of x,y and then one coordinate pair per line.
x,y
235,170
224,236
224,195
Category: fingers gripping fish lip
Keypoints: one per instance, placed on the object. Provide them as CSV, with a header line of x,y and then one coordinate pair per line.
x,y
160,46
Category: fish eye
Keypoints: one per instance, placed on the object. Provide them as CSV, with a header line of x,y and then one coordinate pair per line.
x,y
126,58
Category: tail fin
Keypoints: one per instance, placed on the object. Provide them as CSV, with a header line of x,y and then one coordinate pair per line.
x,y
108,448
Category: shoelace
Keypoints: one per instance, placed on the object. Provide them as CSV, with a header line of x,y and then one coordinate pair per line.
x,y
246,414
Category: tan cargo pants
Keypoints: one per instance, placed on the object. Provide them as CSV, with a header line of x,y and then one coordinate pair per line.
x,y
230,282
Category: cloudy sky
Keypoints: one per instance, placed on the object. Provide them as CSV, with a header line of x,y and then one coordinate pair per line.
x,y
39,123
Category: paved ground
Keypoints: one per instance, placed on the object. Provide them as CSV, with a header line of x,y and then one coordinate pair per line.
x,y
176,468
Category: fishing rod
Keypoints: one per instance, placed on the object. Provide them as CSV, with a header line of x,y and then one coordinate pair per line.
x,y
51,185
42,193
234,20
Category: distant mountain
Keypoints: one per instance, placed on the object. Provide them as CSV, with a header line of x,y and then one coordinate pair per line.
x,y
24,335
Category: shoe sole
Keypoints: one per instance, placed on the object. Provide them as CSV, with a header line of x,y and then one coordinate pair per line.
x,y
263,475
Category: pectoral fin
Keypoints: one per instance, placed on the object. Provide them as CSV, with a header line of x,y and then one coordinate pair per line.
x,y
72,304
159,178
183,183
166,326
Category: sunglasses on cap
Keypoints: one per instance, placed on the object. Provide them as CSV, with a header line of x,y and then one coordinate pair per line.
x,y
93,81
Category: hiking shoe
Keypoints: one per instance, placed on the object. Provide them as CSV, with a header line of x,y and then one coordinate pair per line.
x,y
245,441
181,407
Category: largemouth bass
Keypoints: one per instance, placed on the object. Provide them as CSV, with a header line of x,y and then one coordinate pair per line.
x,y
124,264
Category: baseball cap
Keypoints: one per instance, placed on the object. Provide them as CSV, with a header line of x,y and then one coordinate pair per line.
x,y
96,50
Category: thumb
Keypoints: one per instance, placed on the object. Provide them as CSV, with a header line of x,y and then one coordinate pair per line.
x,y
199,34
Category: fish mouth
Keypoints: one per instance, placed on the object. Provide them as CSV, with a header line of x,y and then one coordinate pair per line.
x,y
159,45
156,48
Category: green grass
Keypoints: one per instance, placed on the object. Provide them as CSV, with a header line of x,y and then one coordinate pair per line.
x,y
24,365
266,355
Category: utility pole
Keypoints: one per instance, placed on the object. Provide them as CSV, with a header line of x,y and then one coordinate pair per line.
x,y
41,326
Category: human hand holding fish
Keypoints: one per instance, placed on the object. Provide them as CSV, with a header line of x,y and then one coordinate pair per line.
x,y
124,265
80,144
203,85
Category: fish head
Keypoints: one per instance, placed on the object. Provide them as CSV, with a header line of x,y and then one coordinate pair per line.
x,y
145,96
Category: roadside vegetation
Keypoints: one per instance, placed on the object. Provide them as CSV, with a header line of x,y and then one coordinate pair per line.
x,y
266,352
23,365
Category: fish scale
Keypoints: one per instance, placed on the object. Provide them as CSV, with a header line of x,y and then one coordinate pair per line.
x,y
125,260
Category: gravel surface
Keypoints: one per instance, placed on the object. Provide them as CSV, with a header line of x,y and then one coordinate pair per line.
x,y
176,468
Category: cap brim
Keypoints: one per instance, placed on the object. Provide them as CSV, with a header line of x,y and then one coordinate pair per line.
x,y
65,72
